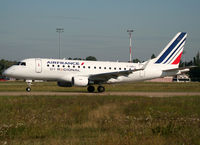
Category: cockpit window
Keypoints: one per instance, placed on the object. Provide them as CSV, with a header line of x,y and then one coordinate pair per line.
x,y
21,63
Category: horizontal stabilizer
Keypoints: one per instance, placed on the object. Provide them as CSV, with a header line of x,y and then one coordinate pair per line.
x,y
181,68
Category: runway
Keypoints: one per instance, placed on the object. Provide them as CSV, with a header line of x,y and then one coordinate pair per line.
x,y
145,94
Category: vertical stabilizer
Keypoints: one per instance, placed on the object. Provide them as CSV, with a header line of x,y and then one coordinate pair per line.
x,y
171,54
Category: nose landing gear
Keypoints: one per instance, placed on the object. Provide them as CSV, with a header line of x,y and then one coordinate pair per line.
x,y
28,89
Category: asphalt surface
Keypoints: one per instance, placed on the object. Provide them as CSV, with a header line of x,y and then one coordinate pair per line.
x,y
146,94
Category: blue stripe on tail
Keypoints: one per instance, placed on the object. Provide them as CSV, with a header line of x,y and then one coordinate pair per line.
x,y
172,46
175,50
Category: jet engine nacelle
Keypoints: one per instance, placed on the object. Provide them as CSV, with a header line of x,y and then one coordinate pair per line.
x,y
64,84
80,81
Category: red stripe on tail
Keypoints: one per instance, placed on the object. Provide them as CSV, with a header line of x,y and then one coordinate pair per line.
x,y
177,60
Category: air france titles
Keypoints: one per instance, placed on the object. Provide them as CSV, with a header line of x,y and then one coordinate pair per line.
x,y
63,63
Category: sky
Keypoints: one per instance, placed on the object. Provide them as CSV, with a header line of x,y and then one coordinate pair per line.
x,y
96,28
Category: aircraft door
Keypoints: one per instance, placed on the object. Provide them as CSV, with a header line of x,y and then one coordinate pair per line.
x,y
38,65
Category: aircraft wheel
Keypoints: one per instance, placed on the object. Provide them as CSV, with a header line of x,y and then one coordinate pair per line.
x,y
90,89
28,89
101,89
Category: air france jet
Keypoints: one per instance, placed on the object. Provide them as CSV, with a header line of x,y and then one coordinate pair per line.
x,y
70,73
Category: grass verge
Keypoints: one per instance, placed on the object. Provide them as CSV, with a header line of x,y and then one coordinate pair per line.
x,y
88,120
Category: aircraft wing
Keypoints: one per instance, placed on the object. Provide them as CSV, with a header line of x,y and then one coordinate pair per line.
x,y
103,77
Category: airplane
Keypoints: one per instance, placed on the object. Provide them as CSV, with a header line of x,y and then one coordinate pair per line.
x,y
83,73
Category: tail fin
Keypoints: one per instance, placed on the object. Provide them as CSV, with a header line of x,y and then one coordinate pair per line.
x,y
171,54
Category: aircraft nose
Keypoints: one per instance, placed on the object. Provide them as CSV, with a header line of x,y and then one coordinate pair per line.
x,y
7,72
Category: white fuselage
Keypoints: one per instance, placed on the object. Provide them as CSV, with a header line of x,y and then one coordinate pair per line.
x,y
64,70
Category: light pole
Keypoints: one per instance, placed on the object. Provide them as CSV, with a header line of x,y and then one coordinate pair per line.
x,y
59,30
130,46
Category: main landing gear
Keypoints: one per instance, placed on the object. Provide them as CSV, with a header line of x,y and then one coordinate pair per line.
x,y
28,89
100,89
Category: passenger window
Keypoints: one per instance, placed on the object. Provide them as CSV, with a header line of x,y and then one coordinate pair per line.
x,y
68,66
83,66
52,65
99,67
63,65
74,66
115,68
119,68
109,67
89,67
78,66
104,67
95,67
47,65
124,68
58,65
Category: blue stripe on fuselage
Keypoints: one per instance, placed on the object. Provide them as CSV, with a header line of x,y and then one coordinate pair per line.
x,y
165,54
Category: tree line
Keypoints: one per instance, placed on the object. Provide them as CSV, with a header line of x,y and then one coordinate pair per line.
x,y
194,72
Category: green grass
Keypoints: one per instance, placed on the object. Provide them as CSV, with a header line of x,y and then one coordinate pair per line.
x,y
99,120
132,87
